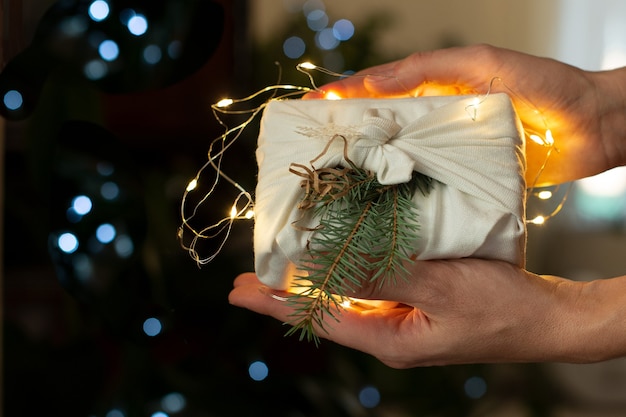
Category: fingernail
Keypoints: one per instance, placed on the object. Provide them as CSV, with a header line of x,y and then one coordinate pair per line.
x,y
268,292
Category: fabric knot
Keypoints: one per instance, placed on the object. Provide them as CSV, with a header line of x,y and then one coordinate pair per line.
x,y
373,149
379,126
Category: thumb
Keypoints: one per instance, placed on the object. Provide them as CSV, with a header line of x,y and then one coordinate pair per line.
x,y
452,70
410,288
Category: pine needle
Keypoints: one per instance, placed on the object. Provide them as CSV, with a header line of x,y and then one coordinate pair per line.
x,y
366,232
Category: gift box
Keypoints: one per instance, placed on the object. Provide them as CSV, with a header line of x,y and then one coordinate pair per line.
x,y
472,149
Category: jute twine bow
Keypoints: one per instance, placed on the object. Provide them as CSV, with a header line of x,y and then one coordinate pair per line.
x,y
324,185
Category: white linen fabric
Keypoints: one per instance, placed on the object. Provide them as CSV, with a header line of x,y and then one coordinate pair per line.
x,y
474,151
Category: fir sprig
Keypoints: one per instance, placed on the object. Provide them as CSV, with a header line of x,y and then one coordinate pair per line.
x,y
366,233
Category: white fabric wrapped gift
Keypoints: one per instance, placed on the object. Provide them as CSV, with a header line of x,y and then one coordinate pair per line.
x,y
473,149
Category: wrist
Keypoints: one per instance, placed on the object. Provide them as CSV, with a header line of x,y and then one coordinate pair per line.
x,y
595,321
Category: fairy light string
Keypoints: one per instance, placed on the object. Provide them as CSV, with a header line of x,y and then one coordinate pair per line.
x,y
242,206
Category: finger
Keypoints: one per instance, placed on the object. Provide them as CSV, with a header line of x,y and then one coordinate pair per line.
x,y
365,330
465,69
422,280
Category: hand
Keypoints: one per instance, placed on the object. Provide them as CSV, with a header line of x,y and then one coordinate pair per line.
x,y
585,111
463,311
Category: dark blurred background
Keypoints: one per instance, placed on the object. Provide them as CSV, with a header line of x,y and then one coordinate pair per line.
x,y
106,117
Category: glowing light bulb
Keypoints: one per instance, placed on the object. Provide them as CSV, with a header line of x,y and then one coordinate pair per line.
x,y
192,184
233,212
545,195
538,220
307,65
249,214
549,138
537,139
331,95
346,303
225,102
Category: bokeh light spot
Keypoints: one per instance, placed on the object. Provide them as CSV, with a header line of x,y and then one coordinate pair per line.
x,y
343,29
105,233
137,25
99,10
258,371
152,54
159,414
173,402
369,397
115,413
95,69
317,20
82,204
13,100
294,47
108,50
475,387
123,246
109,190
67,242
325,39
152,326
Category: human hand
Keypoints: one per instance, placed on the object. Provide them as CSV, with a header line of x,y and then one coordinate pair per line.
x,y
585,111
460,311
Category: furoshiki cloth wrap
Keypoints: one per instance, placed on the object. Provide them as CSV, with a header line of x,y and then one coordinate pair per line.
x,y
475,152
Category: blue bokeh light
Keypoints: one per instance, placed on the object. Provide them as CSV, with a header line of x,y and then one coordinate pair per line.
x,y
343,29
152,326
105,233
325,39
123,246
82,205
173,402
67,242
109,190
99,10
475,387
294,47
115,413
137,25
317,20
108,50
369,397
258,371
13,100
95,69
152,54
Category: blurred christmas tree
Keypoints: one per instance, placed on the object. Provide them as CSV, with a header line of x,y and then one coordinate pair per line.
x,y
107,118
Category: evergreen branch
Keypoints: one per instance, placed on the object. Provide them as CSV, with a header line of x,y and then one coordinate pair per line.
x,y
366,232
309,307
